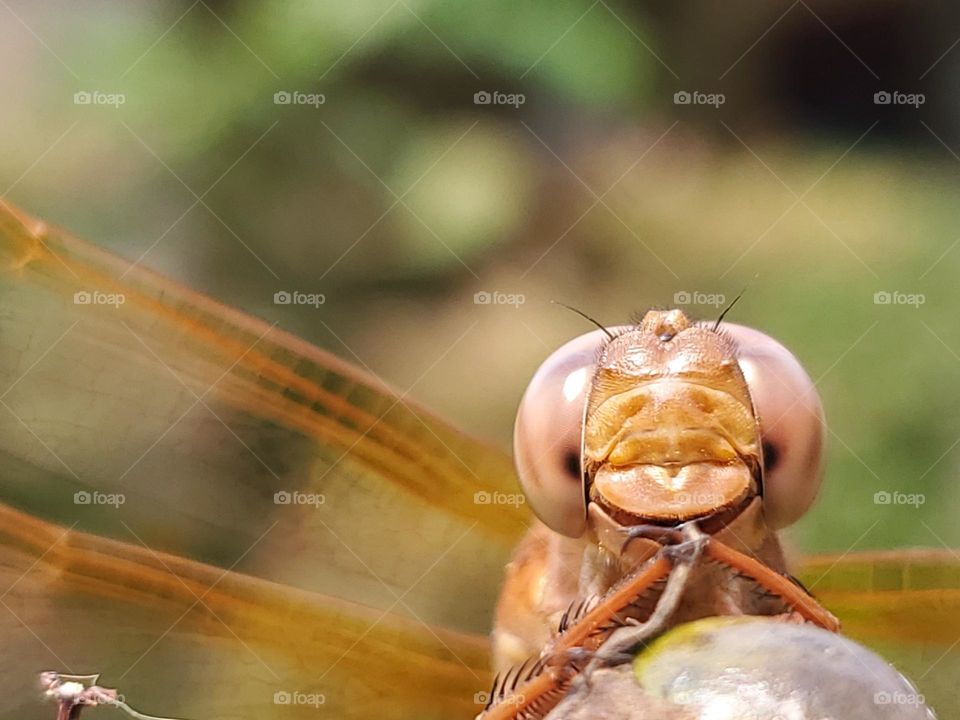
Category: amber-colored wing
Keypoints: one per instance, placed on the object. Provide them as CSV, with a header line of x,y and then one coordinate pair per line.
x,y
189,640
135,409
903,604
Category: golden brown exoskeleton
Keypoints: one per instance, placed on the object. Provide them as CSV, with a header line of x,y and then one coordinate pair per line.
x,y
660,424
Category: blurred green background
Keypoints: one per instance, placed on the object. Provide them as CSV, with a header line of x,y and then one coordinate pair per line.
x,y
402,194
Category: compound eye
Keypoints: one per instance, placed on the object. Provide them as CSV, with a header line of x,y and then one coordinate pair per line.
x,y
791,424
547,435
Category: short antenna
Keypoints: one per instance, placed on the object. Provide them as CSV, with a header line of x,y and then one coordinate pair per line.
x,y
727,309
585,317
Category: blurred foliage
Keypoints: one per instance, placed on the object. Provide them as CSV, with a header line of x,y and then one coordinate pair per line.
x,y
399,197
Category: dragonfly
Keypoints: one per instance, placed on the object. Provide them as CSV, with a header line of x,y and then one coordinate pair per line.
x,y
226,521
679,434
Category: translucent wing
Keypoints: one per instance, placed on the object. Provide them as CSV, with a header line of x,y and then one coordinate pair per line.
x,y
200,415
186,639
135,409
903,604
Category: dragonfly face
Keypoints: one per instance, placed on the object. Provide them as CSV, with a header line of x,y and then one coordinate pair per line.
x,y
666,422
670,432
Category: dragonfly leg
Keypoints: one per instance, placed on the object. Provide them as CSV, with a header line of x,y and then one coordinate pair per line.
x,y
563,657
657,533
682,557
791,592
794,596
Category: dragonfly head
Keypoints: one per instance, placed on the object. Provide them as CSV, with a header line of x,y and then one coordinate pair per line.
x,y
669,431
667,422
